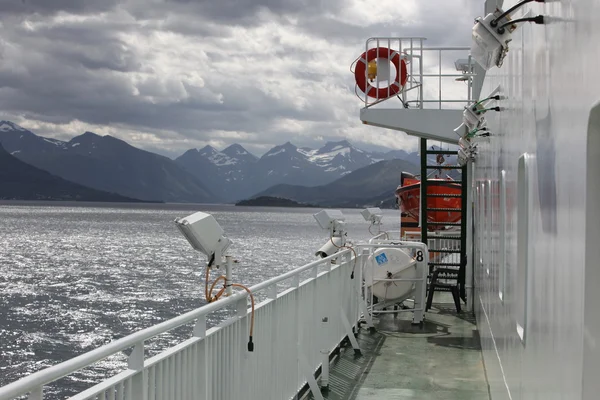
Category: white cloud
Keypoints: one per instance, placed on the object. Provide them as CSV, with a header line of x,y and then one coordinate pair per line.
x,y
170,75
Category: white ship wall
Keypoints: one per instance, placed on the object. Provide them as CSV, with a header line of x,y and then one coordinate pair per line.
x,y
551,80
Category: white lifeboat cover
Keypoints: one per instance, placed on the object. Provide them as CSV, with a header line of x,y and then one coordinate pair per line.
x,y
386,262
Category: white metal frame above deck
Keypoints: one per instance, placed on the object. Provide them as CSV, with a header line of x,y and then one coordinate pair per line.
x,y
429,124
426,110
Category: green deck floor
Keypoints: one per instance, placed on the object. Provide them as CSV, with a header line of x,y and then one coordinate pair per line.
x,y
441,360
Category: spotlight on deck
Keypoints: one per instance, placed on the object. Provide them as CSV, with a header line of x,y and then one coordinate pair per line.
x,y
372,215
330,247
489,47
473,117
333,221
205,235
463,65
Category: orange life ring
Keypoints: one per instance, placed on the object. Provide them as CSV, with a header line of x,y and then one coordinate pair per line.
x,y
360,73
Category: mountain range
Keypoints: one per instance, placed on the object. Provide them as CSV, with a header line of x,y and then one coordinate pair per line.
x,y
21,181
202,175
106,163
235,174
370,185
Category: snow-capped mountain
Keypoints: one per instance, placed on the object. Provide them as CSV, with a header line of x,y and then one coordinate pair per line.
x,y
239,153
224,172
19,141
106,163
339,157
236,174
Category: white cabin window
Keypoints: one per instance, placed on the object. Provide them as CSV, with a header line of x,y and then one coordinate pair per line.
x,y
502,253
523,213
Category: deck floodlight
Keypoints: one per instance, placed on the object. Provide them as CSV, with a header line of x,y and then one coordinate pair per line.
x,y
333,221
490,47
329,219
372,215
463,157
464,143
463,65
473,117
204,234
330,247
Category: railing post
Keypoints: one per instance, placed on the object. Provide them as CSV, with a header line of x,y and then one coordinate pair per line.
x,y
362,300
421,286
349,332
228,266
272,292
36,394
138,381
200,327
200,361
325,370
237,377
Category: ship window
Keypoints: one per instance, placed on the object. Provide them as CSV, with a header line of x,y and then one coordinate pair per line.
x,y
523,208
502,253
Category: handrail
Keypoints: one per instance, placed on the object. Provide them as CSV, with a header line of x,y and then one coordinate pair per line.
x,y
65,368
424,66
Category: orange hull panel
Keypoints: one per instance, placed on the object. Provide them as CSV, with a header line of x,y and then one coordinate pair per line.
x,y
410,200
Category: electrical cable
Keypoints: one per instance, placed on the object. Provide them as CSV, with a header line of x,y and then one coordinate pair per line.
x,y
353,251
250,343
538,20
206,283
495,21
211,299
489,109
496,97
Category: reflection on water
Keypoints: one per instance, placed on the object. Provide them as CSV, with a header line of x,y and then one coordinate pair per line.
x,y
74,277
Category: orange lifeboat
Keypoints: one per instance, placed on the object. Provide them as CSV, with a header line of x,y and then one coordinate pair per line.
x,y
409,196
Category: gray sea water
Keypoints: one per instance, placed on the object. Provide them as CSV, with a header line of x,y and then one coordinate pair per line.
x,y
76,276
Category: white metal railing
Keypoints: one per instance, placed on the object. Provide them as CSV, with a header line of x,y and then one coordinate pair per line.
x,y
434,242
292,327
296,327
436,64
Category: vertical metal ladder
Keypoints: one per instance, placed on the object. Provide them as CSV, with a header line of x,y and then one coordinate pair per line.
x,y
444,275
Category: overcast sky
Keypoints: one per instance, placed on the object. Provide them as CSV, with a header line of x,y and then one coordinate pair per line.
x,y
169,75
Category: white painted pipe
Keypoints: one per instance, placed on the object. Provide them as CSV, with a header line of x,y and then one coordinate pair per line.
x,y
228,265
325,369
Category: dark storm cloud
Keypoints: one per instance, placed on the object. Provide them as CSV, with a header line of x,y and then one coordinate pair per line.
x,y
133,63
93,45
8,7
243,11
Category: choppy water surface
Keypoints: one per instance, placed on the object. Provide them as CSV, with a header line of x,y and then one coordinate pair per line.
x,y
75,277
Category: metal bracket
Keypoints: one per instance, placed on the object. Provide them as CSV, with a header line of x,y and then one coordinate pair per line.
x,y
310,378
349,332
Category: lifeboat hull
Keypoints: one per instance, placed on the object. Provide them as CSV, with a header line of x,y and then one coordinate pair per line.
x,y
409,195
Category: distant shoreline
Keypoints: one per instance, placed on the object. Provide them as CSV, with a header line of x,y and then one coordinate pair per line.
x,y
268,201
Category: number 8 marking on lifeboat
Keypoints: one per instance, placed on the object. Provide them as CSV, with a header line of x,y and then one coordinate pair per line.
x,y
360,72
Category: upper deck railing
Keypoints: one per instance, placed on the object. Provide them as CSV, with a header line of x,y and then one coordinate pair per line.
x,y
437,77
